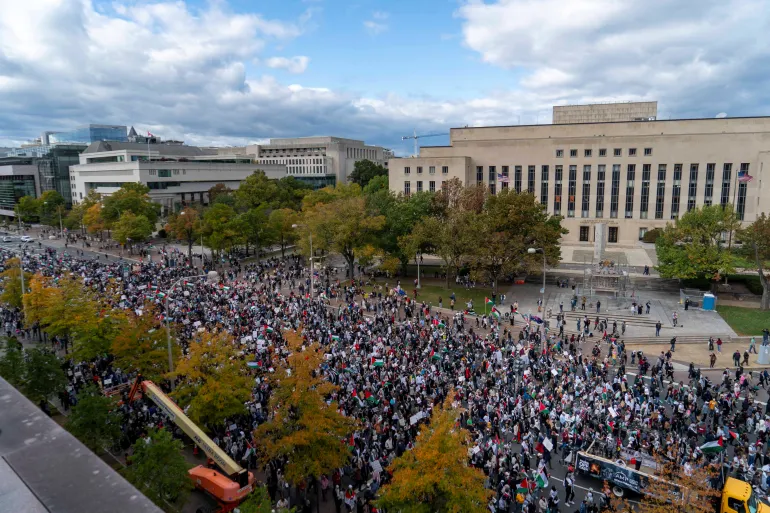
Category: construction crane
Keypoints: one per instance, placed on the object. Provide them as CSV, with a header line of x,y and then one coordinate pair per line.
x,y
230,484
415,137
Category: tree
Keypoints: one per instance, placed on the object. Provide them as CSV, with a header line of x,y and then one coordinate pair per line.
x,y
217,191
757,238
376,184
158,467
365,170
289,193
93,420
76,219
141,345
257,189
509,225
219,227
12,363
303,428
259,502
28,209
344,226
693,247
131,197
450,237
281,224
11,281
93,219
254,228
131,228
186,226
435,476
51,206
215,382
43,374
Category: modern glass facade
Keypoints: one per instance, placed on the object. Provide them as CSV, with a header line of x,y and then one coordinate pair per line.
x,y
54,169
14,187
91,133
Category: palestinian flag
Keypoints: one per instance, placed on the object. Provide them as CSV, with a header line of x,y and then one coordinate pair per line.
x,y
733,434
336,338
161,295
488,301
188,284
495,313
223,287
713,447
541,480
252,365
269,329
524,486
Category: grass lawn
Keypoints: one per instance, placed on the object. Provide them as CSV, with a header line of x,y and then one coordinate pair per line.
x,y
431,290
745,321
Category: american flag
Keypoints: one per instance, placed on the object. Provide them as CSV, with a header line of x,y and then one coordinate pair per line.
x,y
744,177
502,178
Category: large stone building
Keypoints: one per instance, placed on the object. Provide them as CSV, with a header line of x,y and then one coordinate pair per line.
x,y
605,112
631,176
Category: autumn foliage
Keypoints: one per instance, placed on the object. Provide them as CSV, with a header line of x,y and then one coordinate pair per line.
x,y
435,476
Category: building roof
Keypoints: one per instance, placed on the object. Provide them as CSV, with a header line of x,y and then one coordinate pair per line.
x,y
176,150
44,468
645,122
132,132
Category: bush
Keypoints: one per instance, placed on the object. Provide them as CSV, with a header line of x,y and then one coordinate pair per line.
x,y
751,281
162,233
702,283
652,235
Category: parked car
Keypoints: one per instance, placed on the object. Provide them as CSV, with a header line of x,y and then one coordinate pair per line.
x,y
26,238
7,239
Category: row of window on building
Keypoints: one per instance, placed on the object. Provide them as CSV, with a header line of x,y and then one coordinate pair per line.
x,y
616,152
362,153
419,184
711,181
166,173
293,162
431,170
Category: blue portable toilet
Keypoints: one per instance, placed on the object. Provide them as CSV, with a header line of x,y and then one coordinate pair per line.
x,y
709,301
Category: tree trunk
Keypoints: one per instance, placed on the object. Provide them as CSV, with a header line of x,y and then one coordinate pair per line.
x,y
764,304
189,250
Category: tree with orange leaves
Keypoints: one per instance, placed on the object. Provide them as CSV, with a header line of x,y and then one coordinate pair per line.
x,y
435,476
141,345
303,427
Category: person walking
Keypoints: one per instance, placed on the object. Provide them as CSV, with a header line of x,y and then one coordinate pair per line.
x,y
753,346
674,318
623,328
765,337
713,360
569,487
658,325
737,358
673,345
719,345
598,306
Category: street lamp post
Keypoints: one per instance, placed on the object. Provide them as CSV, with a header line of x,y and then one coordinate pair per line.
x,y
168,326
312,279
532,251
21,266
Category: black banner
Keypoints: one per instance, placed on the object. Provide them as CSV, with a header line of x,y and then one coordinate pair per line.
x,y
618,475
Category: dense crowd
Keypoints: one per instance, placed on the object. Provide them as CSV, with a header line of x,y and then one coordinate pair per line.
x,y
530,395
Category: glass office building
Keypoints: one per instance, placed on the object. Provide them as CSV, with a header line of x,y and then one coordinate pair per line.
x,y
54,168
90,133
12,188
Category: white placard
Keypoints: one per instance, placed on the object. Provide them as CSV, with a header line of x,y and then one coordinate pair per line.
x,y
414,419
548,444
376,467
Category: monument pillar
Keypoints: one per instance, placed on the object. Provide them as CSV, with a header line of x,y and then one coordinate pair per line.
x,y
600,241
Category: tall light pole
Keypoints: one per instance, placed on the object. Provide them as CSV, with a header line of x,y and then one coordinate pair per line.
x,y
168,327
312,279
21,265
532,251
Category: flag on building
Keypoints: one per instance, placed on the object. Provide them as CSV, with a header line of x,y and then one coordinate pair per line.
x,y
744,177
713,447
149,134
502,178
489,301
541,479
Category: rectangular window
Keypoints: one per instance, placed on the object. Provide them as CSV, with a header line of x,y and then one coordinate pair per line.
x,y
660,199
692,188
419,170
573,153
517,178
648,152
164,173
571,191
584,233
585,205
544,186
531,179
645,199
505,171
601,173
445,170
632,152
492,189
740,206
407,190
708,194
419,186
407,170
587,153
603,152
559,154
503,186
661,172
615,191
479,174
492,174
642,233
676,191
432,186
432,170
727,174
558,171
631,173
618,152
612,234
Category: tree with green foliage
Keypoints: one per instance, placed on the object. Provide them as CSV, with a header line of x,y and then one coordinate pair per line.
x,y
158,467
451,237
217,191
378,183
131,197
256,190
141,345
259,502
255,229
43,374
289,193
693,246
756,240
365,170
281,225
94,421
51,205
11,282
12,363
220,228
185,226
435,476
28,208
303,427
131,228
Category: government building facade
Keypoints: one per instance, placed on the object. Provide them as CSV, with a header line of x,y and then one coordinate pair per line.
x,y
631,176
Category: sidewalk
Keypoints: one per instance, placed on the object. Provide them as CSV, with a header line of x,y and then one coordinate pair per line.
x,y
699,354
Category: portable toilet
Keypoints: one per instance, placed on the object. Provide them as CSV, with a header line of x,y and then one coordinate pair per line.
x,y
709,301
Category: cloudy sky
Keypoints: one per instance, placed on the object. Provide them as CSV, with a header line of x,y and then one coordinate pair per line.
x,y
229,72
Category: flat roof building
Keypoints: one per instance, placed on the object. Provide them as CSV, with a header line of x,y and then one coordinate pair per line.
x,y
605,112
630,176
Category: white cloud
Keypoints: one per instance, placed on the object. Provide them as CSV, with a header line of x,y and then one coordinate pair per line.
x,y
292,65
682,53
378,24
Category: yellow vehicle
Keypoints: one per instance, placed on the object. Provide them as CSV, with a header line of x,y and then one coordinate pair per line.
x,y
738,497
